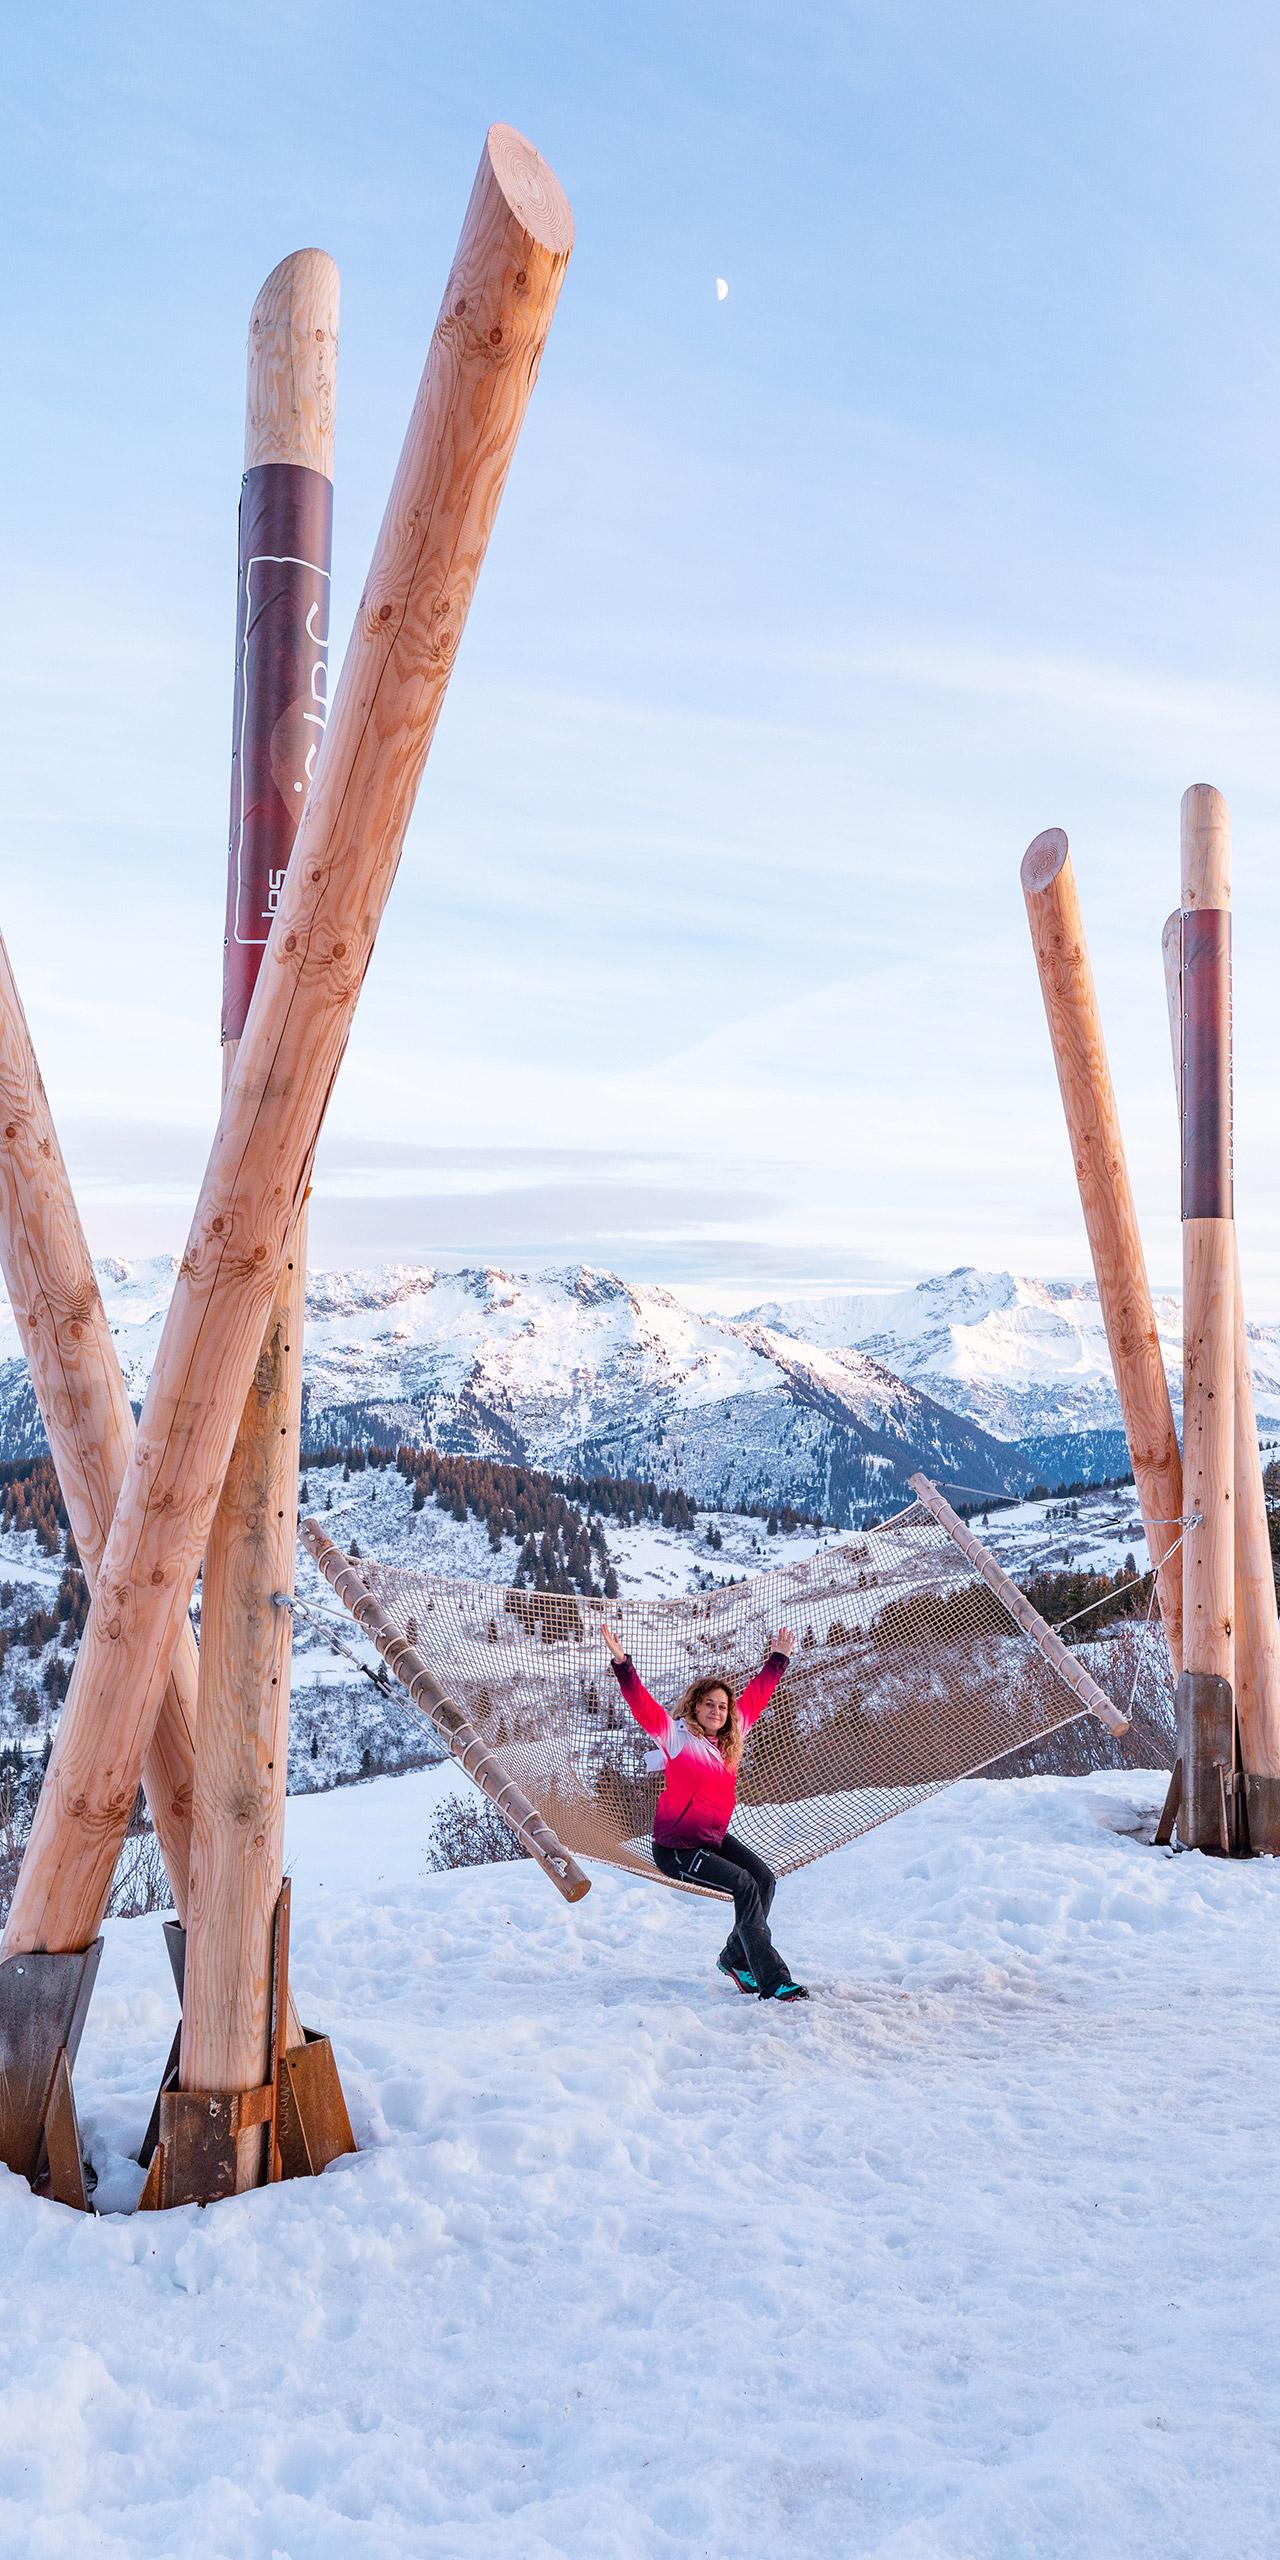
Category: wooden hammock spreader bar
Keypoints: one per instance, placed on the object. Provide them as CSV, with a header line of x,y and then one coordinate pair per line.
x,y
1058,1655
481,1764
482,365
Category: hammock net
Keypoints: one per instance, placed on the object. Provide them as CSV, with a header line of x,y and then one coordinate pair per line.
x,y
908,1673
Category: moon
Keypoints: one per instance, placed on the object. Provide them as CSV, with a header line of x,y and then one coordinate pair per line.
x,y
722,290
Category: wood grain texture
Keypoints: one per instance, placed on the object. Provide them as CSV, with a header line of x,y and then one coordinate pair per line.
x,y
1067,1664
1208,1444
293,365
1257,1674
1208,1245
1205,847
1111,1219
482,365
237,1832
75,1376
1257,1650
242,1755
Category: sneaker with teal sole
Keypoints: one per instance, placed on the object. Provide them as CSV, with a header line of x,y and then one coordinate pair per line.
x,y
785,1991
739,1974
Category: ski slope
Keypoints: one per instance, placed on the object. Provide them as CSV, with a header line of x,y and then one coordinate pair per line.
x,y
968,2260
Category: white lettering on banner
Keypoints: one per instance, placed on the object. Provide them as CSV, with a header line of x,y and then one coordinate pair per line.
x,y
318,692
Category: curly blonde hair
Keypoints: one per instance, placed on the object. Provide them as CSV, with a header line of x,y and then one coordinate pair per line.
x,y
730,1739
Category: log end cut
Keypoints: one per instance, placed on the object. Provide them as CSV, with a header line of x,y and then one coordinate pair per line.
x,y
1043,860
532,190
1206,848
293,364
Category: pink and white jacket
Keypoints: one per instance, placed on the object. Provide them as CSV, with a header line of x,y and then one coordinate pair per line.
x,y
696,1805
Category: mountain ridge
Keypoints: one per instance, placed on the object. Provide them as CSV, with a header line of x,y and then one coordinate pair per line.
x,y
990,1381
1025,1359
576,1370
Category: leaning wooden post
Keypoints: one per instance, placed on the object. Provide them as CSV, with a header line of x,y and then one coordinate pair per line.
x,y
1206,1716
75,1375
1257,1651
480,372
280,708
1111,1220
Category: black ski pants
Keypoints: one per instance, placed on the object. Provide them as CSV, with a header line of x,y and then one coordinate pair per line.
x,y
735,1869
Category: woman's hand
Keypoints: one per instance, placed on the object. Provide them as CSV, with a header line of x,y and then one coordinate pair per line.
x,y
784,1642
619,1651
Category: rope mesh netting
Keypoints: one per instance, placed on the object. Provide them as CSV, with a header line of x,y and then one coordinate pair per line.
x,y
908,1673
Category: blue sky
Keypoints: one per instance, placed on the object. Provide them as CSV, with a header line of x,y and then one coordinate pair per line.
x,y
804,613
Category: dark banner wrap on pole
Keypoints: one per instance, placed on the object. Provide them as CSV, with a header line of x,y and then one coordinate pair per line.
x,y
1206,1063
281,704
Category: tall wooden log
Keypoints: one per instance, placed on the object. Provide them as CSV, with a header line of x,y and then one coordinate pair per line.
x,y
1111,1220
1208,1256
75,1376
1257,1619
282,630
484,358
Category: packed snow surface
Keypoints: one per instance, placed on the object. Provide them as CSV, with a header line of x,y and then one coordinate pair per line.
x,y
967,2260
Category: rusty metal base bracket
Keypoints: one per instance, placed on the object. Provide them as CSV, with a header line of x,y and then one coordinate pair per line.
x,y
1169,1809
44,2000
1262,1815
312,2123
194,2152
175,1939
1208,1754
64,2177
196,2159
312,2126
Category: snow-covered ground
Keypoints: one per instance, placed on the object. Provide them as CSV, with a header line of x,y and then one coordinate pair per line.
x,y
375,1507
968,2260
1091,1534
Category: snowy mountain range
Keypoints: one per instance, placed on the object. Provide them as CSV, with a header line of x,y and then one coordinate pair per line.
x,y
574,1371
988,1381
1026,1359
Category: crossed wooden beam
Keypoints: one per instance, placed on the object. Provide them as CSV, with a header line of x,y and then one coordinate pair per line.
x,y
211,1471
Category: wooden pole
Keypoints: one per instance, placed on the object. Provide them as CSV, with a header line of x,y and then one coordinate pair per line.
x,y
1059,1656
1111,1220
481,1764
282,629
480,372
1257,1620
75,1375
1208,1254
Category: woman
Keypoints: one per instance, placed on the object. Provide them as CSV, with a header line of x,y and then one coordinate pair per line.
x,y
702,1746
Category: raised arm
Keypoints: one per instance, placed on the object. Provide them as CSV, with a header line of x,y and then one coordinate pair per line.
x,y
755,1697
651,1718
